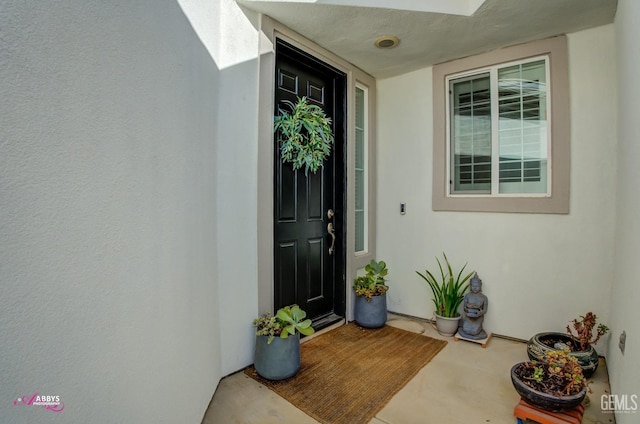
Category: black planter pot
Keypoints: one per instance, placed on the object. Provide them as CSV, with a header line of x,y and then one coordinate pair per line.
x,y
278,360
544,400
371,314
588,359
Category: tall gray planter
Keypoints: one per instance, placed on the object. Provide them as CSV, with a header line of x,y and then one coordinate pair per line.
x,y
371,314
278,360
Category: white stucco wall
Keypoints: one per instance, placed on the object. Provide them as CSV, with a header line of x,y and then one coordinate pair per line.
x,y
108,172
539,271
231,36
237,182
624,373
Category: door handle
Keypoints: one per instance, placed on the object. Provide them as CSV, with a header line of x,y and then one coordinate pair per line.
x,y
332,233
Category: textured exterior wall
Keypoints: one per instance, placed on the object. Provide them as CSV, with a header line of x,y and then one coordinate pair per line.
x,y
108,253
539,271
237,186
625,314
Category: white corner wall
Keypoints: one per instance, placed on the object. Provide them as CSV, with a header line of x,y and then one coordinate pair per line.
x,y
539,271
624,373
231,35
237,185
110,259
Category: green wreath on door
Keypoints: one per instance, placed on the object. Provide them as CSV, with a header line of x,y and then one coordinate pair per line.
x,y
305,135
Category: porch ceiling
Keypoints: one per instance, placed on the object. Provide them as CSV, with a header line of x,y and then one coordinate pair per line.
x,y
427,38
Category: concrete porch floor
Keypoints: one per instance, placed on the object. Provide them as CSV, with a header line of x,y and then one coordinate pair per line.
x,y
463,384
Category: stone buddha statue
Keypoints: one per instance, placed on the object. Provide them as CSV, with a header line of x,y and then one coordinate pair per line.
x,y
475,305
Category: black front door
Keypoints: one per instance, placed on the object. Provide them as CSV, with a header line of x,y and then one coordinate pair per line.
x,y
309,266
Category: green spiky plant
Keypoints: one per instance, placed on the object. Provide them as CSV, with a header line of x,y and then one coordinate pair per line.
x,y
372,284
449,293
304,133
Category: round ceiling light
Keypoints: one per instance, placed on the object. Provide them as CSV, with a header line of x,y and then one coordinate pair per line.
x,y
386,42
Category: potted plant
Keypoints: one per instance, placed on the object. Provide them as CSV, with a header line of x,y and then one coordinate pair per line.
x,y
277,351
371,295
447,295
305,135
580,344
555,383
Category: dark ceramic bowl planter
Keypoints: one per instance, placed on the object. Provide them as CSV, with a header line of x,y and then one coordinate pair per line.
x,y
371,314
278,360
543,400
588,359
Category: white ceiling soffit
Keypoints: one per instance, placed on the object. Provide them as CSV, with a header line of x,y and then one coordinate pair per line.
x,y
429,37
449,7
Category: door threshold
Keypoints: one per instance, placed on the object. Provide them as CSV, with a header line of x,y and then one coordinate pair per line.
x,y
325,321
329,324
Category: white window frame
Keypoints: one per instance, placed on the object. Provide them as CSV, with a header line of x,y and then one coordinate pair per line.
x,y
365,169
492,71
556,200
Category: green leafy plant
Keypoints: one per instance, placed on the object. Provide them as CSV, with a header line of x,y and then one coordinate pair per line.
x,y
373,283
292,319
449,293
538,374
286,322
584,330
305,135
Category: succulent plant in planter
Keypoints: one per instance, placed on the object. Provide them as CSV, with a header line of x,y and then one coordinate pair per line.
x,y
267,325
371,295
448,294
555,383
293,319
584,330
580,344
277,352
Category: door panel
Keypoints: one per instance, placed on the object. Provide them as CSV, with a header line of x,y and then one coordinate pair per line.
x,y
306,272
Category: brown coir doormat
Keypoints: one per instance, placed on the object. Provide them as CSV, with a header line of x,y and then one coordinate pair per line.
x,y
348,374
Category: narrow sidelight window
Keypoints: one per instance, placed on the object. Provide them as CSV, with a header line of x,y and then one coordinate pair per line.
x,y
361,206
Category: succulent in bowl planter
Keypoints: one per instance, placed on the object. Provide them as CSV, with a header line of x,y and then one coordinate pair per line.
x,y
277,351
555,383
448,294
371,300
580,344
